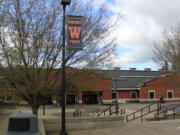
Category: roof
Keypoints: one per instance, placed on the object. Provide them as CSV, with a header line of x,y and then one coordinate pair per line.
x,y
128,79
121,73
131,82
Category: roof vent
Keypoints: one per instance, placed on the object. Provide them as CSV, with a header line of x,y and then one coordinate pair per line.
x,y
117,68
132,69
161,69
147,69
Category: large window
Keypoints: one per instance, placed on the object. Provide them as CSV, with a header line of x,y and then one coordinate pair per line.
x,y
170,94
151,94
133,94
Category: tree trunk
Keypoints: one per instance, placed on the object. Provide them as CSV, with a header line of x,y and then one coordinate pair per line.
x,y
35,110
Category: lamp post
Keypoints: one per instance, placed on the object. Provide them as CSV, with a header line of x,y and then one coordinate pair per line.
x,y
117,106
63,116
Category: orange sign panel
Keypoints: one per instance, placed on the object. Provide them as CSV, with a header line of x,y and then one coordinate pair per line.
x,y
74,29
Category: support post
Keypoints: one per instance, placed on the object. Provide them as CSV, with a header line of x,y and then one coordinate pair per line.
x,y
141,115
63,115
174,113
117,105
158,110
43,109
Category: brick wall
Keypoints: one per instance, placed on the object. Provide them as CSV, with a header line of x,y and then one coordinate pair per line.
x,y
79,96
160,88
106,87
124,94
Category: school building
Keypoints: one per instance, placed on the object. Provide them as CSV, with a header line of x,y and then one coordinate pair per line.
x,y
131,85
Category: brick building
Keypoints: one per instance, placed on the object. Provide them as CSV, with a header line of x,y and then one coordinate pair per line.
x,y
126,84
92,88
101,94
85,87
153,90
105,86
142,85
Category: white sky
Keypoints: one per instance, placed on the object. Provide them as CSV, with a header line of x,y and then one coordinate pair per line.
x,y
143,23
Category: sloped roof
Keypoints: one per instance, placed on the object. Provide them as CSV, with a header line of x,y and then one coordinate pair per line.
x,y
128,78
131,82
121,73
125,78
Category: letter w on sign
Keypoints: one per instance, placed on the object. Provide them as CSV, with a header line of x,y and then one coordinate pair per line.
x,y
74,30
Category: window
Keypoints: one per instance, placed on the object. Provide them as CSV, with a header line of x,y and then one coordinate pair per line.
x,y
114,95
133,94
151,94
170,94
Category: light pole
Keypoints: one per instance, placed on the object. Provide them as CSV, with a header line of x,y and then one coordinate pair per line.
x,y
117,106
63,113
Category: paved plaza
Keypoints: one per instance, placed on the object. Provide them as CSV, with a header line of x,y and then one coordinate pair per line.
x,y
166,127
170,127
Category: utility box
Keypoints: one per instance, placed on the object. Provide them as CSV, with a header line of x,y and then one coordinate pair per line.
x,y
23,124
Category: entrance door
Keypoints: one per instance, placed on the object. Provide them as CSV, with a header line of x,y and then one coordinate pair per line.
x,y
133,94
89,98
70,99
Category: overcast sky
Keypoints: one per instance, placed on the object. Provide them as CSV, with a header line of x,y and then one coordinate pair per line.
x,y
143,23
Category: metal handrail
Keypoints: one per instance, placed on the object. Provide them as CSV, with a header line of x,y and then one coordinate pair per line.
x,y
122,111
173,108
96,111
77,113
165,106
106,110
141,111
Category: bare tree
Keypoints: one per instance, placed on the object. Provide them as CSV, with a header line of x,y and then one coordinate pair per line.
x,y
167,55
31,45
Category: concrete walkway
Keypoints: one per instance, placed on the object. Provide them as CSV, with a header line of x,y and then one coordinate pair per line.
x,y
170,127
3,125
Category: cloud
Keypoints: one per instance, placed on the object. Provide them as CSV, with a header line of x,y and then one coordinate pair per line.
x,y
143,23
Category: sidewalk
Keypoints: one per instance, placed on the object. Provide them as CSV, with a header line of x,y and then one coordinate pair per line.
x,y
3,125
170,127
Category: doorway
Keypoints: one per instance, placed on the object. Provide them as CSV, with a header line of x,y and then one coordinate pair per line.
x,y
89,98
70,99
